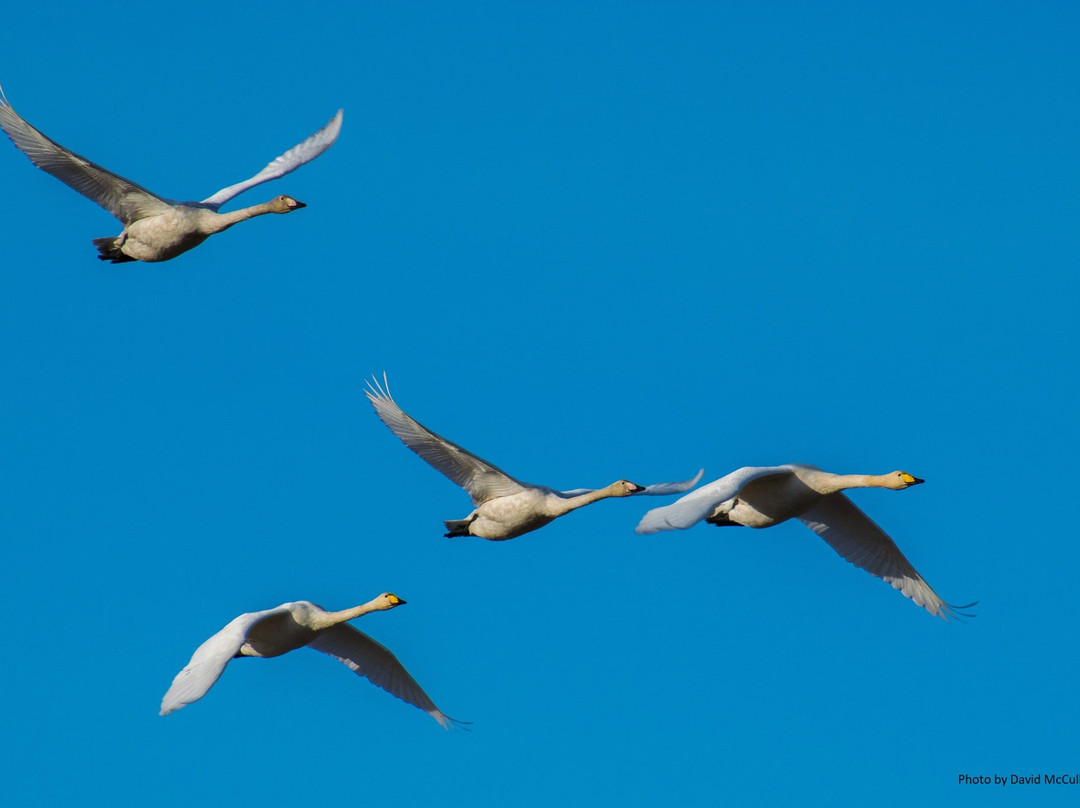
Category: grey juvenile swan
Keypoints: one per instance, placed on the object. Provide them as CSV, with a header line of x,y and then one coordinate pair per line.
x,y
505,507
763,496
155,228
285,628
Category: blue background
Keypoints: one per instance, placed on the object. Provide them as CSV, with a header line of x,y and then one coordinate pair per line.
x,y
586,241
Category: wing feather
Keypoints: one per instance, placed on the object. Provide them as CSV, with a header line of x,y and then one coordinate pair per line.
x,y
695,506
121,197
855,537
654,490
291,160
480,478
666,489
209,661
368,658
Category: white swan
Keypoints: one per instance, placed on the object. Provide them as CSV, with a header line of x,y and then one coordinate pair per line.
x,y
155,228
285,628
763,496
505,507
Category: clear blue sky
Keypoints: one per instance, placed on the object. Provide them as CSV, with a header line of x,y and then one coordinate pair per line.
x,y
587,241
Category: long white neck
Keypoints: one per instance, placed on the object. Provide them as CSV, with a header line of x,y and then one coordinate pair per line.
x,y
559,505
327,619
223,221
834,483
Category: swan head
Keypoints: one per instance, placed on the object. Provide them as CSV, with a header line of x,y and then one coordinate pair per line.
x,y
624,488
285,204
901,479
388,600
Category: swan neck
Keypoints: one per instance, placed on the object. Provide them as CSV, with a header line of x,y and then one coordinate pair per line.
x,y
329,619
581,500
223,221
841,482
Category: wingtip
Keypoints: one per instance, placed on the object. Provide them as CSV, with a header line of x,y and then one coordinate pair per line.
x,y
657,521
645,526
376,390
950,613
333,126
449,723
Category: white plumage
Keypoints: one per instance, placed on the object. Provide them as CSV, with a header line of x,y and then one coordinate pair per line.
x,y
273,632
763,496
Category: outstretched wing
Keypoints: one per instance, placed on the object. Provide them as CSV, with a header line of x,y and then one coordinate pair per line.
x,y
209,661
856,537
480,478
280,166
122,198
654,490
695,506
378,665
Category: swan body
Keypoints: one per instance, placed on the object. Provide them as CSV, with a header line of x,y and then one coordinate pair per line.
x,y
505,507
277,631
763,496
509,516
155,228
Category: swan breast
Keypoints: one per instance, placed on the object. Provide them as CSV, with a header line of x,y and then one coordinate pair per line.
x,y
279,633
768,501
515,514
167,235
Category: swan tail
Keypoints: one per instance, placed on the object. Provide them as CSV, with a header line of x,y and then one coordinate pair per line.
x,y
721,520
109,250
457,527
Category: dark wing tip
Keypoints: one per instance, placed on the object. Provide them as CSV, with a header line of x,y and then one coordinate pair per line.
x,y
957,613
453,723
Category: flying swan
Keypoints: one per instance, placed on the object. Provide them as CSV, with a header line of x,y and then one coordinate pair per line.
x,y
285,628
155,228
505,507
763,496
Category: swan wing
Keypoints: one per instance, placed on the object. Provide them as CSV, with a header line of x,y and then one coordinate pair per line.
x,y
291,160
695,506
654,490
368,658
856,537
665,489
122,198
480,478
209,661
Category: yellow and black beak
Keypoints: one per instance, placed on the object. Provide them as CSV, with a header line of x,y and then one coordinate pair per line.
x,y
911,480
